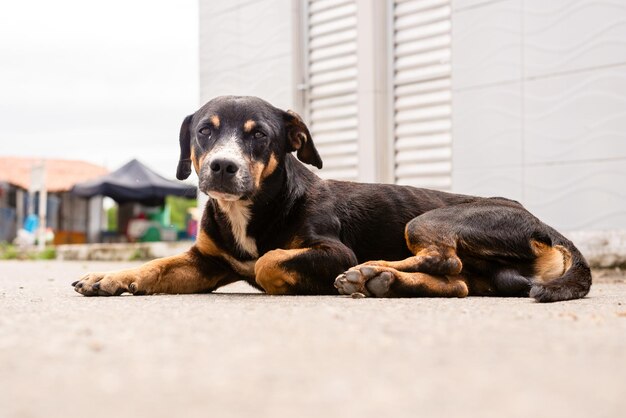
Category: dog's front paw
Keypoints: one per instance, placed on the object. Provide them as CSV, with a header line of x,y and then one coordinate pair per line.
x,y
366,279
107,284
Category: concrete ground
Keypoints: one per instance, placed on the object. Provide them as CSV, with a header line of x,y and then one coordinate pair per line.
x,y
240,353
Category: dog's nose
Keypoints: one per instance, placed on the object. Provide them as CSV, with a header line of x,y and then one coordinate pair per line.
x,y
224,166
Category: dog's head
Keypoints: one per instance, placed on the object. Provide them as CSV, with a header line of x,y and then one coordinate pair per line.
x,y
235,143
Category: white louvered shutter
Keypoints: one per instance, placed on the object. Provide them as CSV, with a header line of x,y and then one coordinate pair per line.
x,y
421,93
331,96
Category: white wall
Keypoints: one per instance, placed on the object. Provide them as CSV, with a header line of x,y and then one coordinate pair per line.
x,y
539,107
246,49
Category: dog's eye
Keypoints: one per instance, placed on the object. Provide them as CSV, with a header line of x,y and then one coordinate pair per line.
x,y
259,135
205,131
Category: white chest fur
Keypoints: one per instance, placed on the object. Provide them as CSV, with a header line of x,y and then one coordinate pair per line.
x,y
238,214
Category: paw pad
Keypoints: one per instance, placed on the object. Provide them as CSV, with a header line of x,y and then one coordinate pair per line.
x,y
364,280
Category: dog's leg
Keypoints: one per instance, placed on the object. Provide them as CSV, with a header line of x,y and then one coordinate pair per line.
x,y
434,270
438,259
190,272
381,281
304,270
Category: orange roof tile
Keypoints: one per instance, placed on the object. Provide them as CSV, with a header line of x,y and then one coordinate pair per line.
x,y
61,175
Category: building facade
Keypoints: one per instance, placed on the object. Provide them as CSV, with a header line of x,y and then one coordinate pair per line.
x,y
74,220
518,98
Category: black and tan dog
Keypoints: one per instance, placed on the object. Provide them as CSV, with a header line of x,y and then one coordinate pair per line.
x,y
273,223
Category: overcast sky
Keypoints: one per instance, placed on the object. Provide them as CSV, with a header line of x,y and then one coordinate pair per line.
x,y
101,81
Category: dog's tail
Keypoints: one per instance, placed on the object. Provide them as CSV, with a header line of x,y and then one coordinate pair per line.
x,y
573,282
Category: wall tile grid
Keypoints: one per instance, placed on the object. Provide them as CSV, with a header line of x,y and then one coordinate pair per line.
x,y
489,182
550,128
575,117
459,5
246,49
487,98
486,43
487,141
489,135
569,35
583,196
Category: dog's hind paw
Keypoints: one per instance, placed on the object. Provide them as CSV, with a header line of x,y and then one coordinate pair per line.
x,y
365,279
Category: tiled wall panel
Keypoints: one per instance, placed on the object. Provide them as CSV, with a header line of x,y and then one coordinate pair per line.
x,y
487,44
459,5
488,130
579,196
565,155
576,117
567,35
489,182
246,49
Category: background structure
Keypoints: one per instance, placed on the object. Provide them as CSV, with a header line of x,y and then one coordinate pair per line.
x,y
519,98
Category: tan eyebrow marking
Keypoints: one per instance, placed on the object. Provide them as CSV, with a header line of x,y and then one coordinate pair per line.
x,y
249,125
215,120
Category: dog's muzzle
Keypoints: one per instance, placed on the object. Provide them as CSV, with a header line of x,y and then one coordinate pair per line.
x,y
224,178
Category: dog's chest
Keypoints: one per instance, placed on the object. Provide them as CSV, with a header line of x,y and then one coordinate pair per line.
x,y
238,215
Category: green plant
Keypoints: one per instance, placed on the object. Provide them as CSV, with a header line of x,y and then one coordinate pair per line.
x,y
12,252
139,254
178,207
49,253
8,251
112,218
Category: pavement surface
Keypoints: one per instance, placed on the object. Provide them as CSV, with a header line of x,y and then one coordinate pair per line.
x,y
239,353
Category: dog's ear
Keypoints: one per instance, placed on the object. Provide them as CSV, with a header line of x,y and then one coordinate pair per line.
x,y
184,163
299,139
